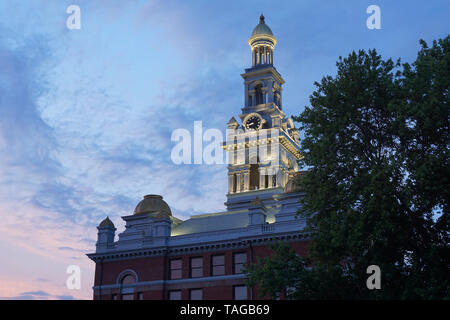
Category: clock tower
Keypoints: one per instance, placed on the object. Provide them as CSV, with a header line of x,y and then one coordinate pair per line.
x,y
262,149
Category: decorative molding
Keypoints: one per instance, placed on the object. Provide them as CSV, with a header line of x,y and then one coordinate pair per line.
x,y
267,236
124,273
169,282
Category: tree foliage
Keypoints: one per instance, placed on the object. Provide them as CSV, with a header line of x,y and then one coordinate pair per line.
x,y
376,142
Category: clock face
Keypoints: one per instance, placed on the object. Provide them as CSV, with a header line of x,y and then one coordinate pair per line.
x,y
253,123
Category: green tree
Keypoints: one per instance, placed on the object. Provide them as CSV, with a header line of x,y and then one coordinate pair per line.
x,y
424,128
286,272
376,141
275,273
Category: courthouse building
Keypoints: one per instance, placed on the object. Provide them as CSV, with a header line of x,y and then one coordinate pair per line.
x,y
159,256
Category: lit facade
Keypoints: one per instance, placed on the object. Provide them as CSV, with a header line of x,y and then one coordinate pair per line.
x,y
159,256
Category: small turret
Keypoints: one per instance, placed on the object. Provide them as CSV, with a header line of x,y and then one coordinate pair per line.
x,y
262,42
106,234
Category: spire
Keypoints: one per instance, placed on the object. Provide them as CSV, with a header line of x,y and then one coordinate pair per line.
x,y
232,120
233,124
261,18
106,223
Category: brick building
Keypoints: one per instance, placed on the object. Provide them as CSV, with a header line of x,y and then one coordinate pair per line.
x,y
159,256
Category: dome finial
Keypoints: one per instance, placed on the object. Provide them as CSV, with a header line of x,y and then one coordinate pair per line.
x,y
106,223
261,18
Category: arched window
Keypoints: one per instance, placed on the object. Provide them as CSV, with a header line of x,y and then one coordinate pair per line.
x,y
258,94
126,280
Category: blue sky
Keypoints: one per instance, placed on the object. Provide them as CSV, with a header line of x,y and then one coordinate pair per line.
x,y
86,115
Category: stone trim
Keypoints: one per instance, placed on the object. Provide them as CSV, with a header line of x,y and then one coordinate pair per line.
x,y
187,249
169,282
124,273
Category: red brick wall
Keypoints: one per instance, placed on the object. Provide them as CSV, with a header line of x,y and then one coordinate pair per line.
x,y
157,268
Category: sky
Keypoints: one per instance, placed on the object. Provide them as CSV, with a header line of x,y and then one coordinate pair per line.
x,y
86,115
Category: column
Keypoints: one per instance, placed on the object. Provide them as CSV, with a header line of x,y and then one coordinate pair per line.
x,y
270,92
265,57
262,177
279,177
259,55
246,89
238,182
280,102
246,181
230,183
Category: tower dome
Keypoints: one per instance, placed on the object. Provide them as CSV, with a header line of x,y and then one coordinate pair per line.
x,y
262,28
262,41
153,204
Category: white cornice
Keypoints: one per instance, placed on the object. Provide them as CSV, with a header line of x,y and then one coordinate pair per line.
x,y
206,246
261,71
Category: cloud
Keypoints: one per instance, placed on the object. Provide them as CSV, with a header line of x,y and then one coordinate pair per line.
x,y
29,170
86,116
72,152
38,295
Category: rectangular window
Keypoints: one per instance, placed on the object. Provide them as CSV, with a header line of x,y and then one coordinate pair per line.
x,y
140,296
239,259
196,294
128,296
114,296
197,267
175,295
240,293
218,265
175,269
